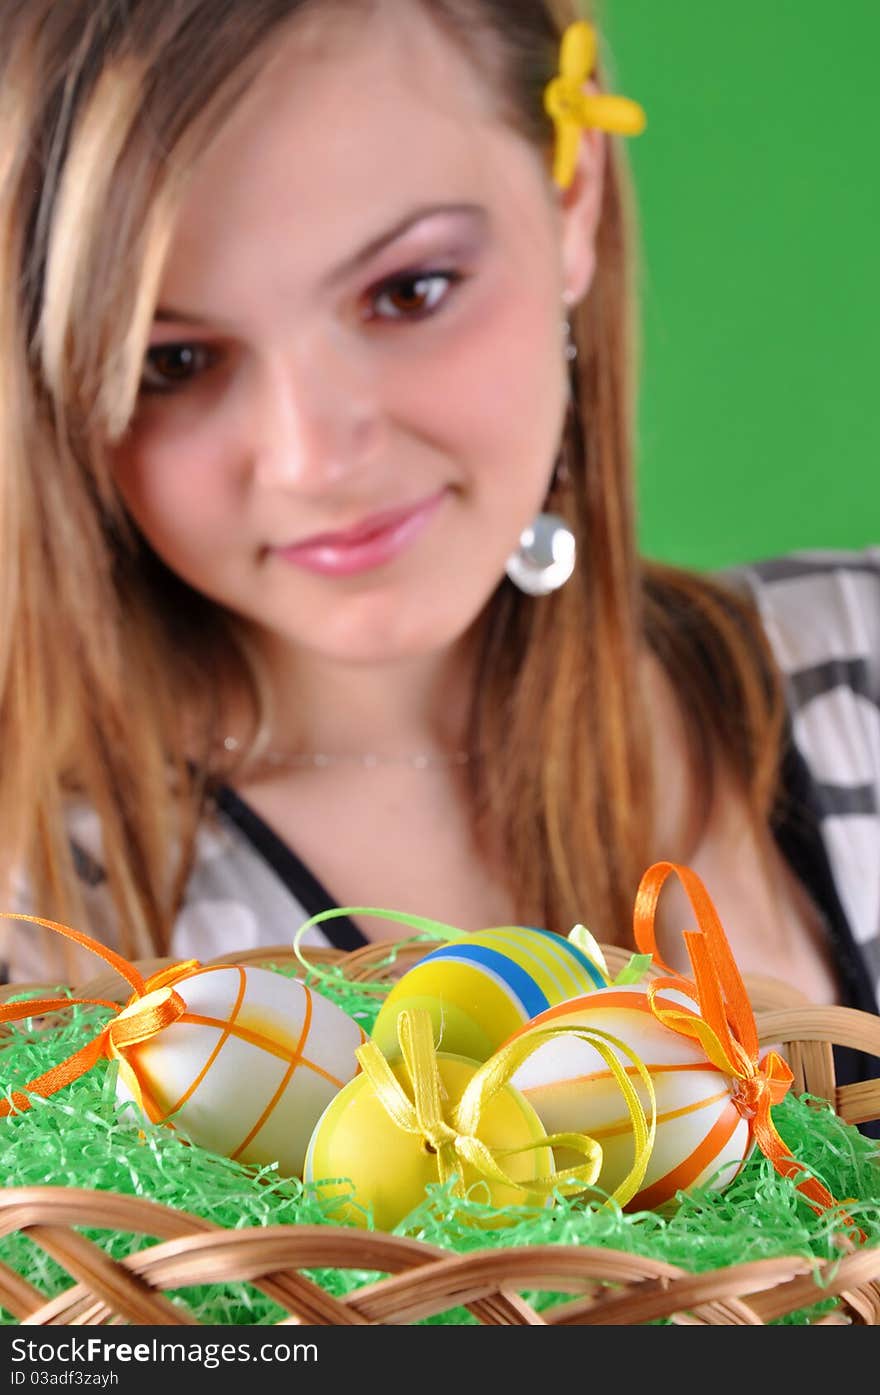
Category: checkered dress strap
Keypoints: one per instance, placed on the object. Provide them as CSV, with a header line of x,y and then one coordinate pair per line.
x,y
821,613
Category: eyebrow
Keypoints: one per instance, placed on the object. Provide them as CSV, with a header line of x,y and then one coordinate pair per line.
x,y
360,258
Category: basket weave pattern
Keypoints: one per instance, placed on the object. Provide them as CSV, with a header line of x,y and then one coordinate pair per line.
x,y
591,1285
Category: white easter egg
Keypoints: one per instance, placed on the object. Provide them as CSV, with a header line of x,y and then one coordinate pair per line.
x,y
572,1089
250,1066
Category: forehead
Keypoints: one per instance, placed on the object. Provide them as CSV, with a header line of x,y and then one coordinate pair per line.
x,y
334,86
358,114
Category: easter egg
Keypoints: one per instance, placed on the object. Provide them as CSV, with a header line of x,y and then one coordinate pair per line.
x,y
249,1067
699,1128
356,1139
481,989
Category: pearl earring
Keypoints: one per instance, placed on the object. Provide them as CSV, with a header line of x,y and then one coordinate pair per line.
x,y
547,551
545,558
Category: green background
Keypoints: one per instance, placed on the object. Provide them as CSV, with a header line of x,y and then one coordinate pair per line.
x,y
757,186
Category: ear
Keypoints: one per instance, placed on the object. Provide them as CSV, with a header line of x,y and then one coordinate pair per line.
x,y
579,207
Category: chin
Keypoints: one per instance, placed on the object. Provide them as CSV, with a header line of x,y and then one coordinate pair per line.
x,y
388,639
368,651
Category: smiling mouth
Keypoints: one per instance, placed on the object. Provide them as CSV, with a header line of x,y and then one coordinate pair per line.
x,y
369,544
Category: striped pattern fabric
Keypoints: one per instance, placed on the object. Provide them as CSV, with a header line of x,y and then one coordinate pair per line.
x,y
821,613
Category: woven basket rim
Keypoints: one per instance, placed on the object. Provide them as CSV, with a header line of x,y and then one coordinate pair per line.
x,y
603,1285
597,1285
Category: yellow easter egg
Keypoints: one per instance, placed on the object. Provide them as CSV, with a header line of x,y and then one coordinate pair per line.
x,y
481,989
699,1128
249,1067
356,1139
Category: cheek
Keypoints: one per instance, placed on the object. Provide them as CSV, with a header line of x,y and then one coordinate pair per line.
x,y
501,396
174,492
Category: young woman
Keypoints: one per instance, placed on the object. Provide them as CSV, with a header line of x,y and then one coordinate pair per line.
x,y
314,372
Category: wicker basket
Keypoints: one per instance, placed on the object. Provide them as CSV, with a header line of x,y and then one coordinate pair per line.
x,y
595,1285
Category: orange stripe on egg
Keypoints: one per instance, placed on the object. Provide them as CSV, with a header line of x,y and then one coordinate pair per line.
x,y
198,972
685,1174
241,1033
150,1105
285,1079
630,1002
264,1043
319,1070
226,1030
600,1076
616,1130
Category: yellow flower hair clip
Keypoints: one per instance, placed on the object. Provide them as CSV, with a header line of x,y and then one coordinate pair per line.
x,y
572,109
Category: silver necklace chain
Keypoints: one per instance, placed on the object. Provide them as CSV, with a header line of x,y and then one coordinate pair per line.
x,y
318,760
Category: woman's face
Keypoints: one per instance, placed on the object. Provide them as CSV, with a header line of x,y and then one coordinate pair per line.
x,y
356,386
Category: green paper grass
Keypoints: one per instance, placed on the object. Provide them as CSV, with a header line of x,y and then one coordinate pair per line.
x,y
81,1138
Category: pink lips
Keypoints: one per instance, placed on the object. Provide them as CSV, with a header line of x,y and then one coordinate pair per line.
x,y
371,543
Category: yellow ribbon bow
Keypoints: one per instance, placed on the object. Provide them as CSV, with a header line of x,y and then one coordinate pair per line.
x,y
454,1139
153,1006
725,1026
572,109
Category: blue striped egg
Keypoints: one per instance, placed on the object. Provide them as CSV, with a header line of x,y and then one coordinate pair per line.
x,y
481,989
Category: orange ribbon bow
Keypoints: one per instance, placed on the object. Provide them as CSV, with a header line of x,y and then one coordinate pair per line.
x,y
150,1009
726,1027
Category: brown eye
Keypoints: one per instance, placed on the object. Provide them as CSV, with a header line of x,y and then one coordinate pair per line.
x,y
171,366
417,296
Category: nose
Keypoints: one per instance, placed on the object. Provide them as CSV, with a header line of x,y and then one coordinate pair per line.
x,y
318,416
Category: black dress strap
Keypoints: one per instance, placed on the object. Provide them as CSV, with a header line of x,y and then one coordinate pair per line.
x,y
292,871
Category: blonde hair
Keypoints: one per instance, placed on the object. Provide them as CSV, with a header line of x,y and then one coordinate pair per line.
x,y
104,109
